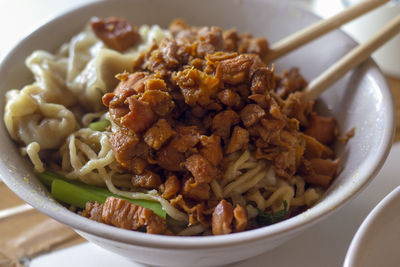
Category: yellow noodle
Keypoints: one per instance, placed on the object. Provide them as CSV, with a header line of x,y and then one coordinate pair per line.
x,y
65,158
33,153
216,188
192,230
85,149
82,161
299,182
255,195
246,185
285,192
311,196
73,154
241,179
298,201
96,162
233,168
270,178
123,183
249,165
89,117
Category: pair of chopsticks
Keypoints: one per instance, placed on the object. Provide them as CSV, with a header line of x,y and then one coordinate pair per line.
x,y
350,60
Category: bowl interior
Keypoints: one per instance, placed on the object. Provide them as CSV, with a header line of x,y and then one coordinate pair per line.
x,y
361,99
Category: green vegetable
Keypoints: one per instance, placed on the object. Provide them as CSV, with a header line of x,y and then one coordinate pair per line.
x,y
73,194
268,218
48,177
77,193
100,126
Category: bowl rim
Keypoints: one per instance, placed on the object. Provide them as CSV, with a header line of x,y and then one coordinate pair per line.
x,y
286,227
355,248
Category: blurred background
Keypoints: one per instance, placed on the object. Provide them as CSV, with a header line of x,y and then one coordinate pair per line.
x,y
361,29
22,16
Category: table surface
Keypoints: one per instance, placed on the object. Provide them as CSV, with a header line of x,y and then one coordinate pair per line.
x,y
327,241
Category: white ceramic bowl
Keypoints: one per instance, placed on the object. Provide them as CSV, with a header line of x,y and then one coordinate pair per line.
x,y
361,99
376,242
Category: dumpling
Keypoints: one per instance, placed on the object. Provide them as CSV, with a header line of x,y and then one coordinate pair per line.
x,y
149,35
92,67
98,77
30,120
82,48
50,74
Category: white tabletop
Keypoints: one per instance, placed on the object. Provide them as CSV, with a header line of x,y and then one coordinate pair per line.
x,y
324,244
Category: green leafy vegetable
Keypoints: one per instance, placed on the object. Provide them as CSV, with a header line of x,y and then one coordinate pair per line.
x,y
100,126
77,193
268,218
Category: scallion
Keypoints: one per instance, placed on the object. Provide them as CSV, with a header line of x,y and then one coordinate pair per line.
x,y
100,126
77,193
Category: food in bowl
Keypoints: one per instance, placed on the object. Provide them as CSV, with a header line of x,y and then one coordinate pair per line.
x,y
194,136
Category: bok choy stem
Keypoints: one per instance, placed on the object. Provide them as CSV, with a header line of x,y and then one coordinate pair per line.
x,y
77,193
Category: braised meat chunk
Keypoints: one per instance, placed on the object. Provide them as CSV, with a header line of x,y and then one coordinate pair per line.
x,y
211,149
226,219
206,124
161,102
263,81
196,86
322,128
230,98
238,69
116,33
158,134
195,190
251,114
146,179
123,214
222,218
170,158
239,140
171,186
290,82
240,218
202,170
223,121
93,211
320,171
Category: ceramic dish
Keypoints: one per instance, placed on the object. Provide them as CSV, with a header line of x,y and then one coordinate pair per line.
x,y
361,99
376,242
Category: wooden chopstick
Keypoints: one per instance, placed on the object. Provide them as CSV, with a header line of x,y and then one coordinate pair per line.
x,y
352,59
13,211
320,28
